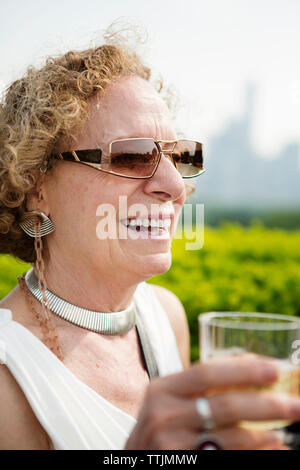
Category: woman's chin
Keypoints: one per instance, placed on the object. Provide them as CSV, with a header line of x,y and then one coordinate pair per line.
x,y
154,264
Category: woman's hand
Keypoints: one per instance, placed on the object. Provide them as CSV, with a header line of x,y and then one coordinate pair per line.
x,y
168,418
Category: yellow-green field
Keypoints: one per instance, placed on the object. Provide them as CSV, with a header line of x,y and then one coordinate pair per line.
x,y
238,269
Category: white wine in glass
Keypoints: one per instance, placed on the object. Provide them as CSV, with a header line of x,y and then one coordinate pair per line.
x,y
224,334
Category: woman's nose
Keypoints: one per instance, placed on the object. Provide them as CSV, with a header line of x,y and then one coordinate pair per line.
x,y
166,183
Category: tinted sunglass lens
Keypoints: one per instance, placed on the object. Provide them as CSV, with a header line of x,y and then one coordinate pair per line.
x,y
135,158
188,158
90,156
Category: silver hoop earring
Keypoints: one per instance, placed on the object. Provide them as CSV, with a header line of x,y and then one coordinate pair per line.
x,y
29,226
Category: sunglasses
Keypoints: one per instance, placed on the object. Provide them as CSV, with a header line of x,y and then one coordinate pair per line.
x,y
139,158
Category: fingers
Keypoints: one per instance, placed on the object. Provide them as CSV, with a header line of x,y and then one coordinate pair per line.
x,y
247,369
169,419
227,409
233,438
237,438
231,407
171,423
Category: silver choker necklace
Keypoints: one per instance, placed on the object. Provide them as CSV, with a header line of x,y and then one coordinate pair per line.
x,y
115,323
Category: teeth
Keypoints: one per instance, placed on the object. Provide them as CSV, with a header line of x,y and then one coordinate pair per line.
x,y
145,223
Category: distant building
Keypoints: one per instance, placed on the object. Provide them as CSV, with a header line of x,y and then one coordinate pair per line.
x,y
237,176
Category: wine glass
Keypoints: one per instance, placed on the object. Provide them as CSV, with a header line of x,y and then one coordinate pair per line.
x,y
223,334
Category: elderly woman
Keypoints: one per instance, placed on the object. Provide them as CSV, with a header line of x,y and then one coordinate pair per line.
x,y
92,184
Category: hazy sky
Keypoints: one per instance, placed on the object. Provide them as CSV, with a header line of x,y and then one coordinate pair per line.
x,y
208,50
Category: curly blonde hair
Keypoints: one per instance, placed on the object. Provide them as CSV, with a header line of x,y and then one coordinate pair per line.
x,y
38,110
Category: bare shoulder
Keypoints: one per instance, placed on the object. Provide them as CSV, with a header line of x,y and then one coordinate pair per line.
x,y
19,427
178,320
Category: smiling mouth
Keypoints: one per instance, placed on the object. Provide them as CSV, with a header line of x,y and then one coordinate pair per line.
x,y
147,225
153,226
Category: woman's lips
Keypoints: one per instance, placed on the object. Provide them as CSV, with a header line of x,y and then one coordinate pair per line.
x,y
149,227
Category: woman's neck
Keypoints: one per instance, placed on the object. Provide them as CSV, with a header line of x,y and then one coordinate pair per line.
x,y
88,288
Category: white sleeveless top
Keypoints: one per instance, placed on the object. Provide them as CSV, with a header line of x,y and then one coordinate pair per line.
x,y
74,415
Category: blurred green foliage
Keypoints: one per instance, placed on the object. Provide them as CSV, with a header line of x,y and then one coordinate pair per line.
x,y
10,269
251,269
288,218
